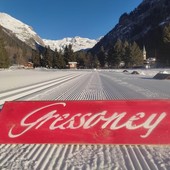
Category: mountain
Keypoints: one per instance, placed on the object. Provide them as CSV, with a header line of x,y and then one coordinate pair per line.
x,y
77,43
143,25
26,34
18,29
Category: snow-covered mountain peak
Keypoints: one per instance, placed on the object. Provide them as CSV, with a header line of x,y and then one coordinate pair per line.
x,y
78,43
13,24
22,31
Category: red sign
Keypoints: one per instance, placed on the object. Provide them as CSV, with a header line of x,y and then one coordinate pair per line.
x,y
86,122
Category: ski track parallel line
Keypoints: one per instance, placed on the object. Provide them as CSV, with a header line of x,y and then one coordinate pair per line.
x,y
20,95
129,158
141,158
3,94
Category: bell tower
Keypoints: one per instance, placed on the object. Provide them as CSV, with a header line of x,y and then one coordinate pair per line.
x,y
144,53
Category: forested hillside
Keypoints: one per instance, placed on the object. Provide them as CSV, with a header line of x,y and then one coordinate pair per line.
x,y
148,25
16,51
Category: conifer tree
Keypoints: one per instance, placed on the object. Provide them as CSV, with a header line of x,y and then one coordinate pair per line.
x,y
58,60
91,61
134,56
69,54
48,57
102,57
35,58
124,51
118,53
81,58
95,62
54,62
115,54
109,59
4,59
166,34
166,48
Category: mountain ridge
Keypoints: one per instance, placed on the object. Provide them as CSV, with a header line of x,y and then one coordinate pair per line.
x,y
78,43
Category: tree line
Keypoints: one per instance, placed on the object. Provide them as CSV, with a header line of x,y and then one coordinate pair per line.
x,y
125,52
59,59
129,54
4,59
121,54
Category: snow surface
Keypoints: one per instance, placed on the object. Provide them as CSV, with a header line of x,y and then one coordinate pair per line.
x,y
83,85
14,78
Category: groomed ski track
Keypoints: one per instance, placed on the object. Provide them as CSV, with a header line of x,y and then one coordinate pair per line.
x,y
87,85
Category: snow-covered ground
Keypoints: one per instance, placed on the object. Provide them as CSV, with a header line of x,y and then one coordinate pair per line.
x,y
42,84
14,78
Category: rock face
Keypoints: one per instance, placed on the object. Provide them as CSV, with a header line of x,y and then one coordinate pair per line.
x,y
17,29
143,25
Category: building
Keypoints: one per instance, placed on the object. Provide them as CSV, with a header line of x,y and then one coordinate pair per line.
x,y
144,53
148,62
29,65
72,65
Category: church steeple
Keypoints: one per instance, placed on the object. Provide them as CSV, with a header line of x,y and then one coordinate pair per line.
x,y
144,53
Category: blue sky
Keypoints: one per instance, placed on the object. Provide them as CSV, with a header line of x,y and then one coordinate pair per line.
x,y
56,19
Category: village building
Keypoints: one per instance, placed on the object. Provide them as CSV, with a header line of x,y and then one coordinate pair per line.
x,y
72,65
29,65
148,62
